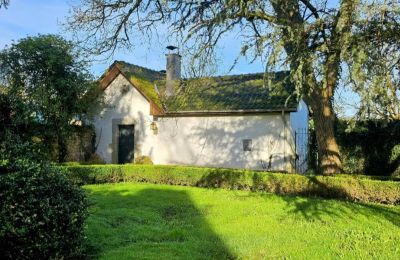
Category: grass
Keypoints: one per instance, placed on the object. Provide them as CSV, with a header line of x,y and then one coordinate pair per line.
x,y
149,221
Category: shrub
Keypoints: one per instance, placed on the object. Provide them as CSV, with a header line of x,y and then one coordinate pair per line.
x,y
143,160
369,146
95,159
365,189
395,160
41,214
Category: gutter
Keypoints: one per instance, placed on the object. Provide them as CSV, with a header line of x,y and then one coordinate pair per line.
x,y
226,112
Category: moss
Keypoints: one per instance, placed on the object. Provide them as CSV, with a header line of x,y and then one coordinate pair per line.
x,y
144,79
147,88
233,92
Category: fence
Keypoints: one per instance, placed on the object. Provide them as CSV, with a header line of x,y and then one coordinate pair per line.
x,y
301,139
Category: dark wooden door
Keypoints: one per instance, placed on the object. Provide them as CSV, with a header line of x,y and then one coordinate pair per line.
x,y
126,143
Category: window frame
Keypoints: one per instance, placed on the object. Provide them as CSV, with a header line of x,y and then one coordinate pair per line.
x,y
247,145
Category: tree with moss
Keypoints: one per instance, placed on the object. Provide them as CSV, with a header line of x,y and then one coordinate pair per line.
x,y
45,87
315,39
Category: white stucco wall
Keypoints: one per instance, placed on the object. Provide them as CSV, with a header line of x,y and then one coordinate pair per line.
x,y
203,141
218,141
124,102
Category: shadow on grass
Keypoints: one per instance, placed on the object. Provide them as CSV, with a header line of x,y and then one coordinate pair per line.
x,y
150,224
319,198
315,208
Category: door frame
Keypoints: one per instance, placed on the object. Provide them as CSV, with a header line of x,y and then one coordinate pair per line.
x,y
115,136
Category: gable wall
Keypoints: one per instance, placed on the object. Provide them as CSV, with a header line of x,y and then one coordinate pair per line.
x,y
123,105
203,141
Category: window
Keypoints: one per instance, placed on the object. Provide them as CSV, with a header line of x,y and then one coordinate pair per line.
x,y
247,145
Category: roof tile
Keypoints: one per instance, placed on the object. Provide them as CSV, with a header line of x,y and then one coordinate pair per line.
x,y
258,91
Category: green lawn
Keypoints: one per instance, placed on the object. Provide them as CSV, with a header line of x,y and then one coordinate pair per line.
x,y
149,221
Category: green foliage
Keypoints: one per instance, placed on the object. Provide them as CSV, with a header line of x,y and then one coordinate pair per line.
x,y
95,159
343,187
147,221
17,151
369,147
41,211
143,160
41,214
13,111
374,73
395,160
45,84
15,124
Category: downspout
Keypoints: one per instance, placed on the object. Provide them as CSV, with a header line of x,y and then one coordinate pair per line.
x,y
284,139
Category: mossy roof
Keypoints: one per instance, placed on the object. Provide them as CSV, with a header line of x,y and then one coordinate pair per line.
x,y
246,92
143,78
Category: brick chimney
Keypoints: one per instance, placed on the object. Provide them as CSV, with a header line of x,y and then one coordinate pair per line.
x,y
173,73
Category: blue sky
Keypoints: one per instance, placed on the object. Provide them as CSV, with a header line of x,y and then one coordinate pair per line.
x,y
28,18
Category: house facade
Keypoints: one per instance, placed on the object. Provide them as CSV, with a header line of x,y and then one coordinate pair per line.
x,y
232,121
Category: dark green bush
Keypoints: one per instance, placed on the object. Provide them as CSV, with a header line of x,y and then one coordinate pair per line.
x,y
366,189
369,147
42,213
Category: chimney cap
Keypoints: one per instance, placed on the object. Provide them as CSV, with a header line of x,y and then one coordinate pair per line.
x,y
171,48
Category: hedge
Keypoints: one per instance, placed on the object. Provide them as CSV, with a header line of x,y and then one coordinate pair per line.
x,y
42,214
338,187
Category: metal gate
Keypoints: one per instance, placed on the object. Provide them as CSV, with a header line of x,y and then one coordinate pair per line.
x,y
301,139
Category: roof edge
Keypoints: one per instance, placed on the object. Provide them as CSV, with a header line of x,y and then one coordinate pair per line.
x,y
111,74
226,112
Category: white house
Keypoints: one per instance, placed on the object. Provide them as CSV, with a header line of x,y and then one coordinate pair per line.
x,y
241,121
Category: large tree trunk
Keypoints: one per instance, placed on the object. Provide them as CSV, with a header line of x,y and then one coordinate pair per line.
x,y
317,95
328,150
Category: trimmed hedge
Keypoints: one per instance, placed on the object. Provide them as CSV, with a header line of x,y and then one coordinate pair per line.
x,y
339,187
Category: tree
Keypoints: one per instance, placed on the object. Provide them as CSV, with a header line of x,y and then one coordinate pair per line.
x,y
45,87
312,38
377,79
4,3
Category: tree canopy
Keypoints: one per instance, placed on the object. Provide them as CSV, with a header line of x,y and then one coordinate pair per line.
x,y
45,87
375,77
312,38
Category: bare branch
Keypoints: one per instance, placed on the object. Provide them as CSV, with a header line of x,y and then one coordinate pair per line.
x,y
4,3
